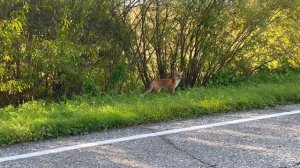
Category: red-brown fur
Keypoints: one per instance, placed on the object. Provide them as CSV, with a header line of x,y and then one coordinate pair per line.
x,y
170,83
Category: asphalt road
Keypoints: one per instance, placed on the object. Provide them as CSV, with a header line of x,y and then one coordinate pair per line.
x,y
271,142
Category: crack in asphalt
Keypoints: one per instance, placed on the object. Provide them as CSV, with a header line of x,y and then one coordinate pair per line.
x,y
169,142
297,164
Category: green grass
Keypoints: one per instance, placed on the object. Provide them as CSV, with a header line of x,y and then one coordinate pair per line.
x,y
39,120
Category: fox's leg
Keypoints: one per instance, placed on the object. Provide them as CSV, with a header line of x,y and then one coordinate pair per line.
x,y
172,90
157,89
149,89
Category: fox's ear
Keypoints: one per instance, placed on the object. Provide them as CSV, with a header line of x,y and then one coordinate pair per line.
x,y
181,72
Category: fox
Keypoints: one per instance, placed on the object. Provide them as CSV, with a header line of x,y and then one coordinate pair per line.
x,y
170,83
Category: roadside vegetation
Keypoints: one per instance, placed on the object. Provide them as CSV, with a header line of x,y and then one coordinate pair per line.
x,y
39,120
72,67
53,49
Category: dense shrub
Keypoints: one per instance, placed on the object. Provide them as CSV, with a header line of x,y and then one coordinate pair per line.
x,y
52,49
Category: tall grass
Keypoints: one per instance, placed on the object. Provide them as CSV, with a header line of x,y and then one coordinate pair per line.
x,y
39,120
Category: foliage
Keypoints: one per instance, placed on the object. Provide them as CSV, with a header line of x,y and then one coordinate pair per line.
x,y
39,120
226,77
52,49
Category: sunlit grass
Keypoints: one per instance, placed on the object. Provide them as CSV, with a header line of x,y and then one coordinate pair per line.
x,y
38,120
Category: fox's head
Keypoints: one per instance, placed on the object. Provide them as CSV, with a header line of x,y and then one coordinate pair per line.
x,y
178,75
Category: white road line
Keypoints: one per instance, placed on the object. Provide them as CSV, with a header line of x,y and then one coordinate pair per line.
x,y
141,136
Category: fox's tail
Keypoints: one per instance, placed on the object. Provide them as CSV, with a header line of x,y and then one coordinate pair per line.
x,y
150,88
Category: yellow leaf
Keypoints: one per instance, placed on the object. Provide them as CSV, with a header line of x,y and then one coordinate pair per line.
x,y
6,58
